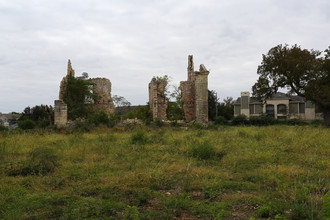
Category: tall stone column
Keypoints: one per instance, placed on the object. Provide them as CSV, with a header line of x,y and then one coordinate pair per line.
x,y
157,100
201,86
60,113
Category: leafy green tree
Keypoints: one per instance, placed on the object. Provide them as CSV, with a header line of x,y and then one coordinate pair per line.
x,y
175,108
304,72
80,96
38,114
226,108
212,102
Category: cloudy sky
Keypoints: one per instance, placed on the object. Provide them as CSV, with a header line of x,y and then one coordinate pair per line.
x,y
130,41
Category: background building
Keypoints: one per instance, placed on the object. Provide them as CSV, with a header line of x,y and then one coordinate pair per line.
x,y
280,106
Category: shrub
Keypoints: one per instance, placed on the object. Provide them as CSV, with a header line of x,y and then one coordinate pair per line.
x,y
41,161
158,122
262,120
240,120
264,211
99,117
26,124
203,151
220,120
3,128
139,137
326,206
296,122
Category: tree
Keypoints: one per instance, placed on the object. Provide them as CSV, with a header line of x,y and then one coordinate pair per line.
x,y
38,114
226,108
175,108
80,96
303,72
120,101
212,102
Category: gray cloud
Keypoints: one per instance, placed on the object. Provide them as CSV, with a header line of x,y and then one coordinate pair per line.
x,y
131,41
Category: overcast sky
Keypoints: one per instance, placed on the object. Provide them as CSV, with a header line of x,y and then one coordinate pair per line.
x,y
130,41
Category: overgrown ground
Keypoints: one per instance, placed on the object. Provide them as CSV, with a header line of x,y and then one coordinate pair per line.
x,y
279,172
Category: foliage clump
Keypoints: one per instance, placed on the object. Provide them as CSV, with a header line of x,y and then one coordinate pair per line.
x,y
41,161
140,137
203,150
26,124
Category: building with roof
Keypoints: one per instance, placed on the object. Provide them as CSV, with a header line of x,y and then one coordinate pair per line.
x,y
8,119
280,106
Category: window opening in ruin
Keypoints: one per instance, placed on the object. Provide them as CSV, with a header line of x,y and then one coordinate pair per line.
x,y
89,100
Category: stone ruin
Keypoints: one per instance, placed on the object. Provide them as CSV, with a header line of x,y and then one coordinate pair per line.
x,y
157,100
195,93
102,87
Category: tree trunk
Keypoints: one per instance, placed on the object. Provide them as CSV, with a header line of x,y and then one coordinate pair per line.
x,y
326,115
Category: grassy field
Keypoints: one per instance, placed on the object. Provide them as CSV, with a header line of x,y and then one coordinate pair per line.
x,y
276,172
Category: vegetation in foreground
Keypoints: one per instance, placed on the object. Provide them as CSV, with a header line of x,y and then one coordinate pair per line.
x,y
276,172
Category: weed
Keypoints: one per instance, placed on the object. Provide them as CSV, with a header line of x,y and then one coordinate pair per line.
x,y
140,137
131,213
203,151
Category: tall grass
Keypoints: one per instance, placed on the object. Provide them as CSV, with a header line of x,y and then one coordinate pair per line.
x,y
161,173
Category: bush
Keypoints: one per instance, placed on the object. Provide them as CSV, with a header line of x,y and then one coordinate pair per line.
x,y
26,124
326,206
3,128
296,122
220,120
203,151
158,122
262,120
240,120
41,161
139,137
264,211
100,117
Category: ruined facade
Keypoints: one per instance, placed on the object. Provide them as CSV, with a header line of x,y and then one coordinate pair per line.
x,y
60,113
64,83
157,101
195,93
102,87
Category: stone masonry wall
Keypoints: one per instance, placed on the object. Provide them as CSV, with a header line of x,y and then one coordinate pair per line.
x,y
103,88
60,113
195,93
157,100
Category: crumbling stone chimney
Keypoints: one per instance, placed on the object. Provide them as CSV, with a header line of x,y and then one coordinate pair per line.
x,y
195,93
157,100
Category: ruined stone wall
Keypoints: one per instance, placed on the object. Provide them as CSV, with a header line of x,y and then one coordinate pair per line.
x,y
201,95
157,100
102,87
195,93
60,113
64,83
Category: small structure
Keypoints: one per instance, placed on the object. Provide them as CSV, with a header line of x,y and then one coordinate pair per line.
x,y
157,100
280,106
60,113
195,93
9,119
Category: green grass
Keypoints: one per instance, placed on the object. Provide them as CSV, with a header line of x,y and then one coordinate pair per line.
x,y
271,172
